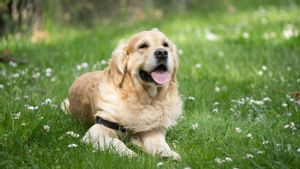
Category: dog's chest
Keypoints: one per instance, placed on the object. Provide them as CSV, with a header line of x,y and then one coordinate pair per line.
x,y
155,115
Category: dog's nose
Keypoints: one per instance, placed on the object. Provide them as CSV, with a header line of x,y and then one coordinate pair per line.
x,y
161,54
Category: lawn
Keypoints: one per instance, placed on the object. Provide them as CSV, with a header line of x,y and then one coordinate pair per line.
x,y
239,73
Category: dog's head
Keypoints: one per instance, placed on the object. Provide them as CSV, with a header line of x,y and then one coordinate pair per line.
x,y
149,57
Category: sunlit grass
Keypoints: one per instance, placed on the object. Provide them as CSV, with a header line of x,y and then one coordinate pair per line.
x,y
236,73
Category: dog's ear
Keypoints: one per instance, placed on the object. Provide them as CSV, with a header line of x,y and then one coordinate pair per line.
x,y
176,60
117,64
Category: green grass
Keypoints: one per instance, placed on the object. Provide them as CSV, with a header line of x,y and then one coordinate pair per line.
x,y
233,69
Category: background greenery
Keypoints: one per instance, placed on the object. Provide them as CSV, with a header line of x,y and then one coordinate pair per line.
x,y
239,77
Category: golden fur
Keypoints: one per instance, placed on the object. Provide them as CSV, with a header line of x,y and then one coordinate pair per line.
x,y
119,95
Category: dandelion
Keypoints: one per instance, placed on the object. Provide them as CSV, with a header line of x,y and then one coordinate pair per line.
x,y
228,159
195,126
248,156
191,98
238,130
198,65
159,164
246,35
47,128
72,145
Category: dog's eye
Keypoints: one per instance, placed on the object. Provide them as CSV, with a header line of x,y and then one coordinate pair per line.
x,y
165,44
143,46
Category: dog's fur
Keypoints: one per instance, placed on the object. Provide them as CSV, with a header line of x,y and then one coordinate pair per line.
x,y
118,94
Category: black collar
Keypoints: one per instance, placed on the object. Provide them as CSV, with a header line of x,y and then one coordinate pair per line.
x,y
109,124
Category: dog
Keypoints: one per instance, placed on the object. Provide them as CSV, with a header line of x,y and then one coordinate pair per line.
x,y
135,96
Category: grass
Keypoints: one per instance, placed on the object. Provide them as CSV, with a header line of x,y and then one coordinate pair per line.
x,y
236,72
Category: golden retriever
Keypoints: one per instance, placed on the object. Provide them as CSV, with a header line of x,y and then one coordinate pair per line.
x,y
135,96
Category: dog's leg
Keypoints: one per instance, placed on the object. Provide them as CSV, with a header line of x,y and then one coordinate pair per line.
x,y
104,138
154,143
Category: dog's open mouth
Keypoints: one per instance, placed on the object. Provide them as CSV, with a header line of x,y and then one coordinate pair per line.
x,y
159,75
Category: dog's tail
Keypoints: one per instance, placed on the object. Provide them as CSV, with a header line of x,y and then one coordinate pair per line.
x,y
65,106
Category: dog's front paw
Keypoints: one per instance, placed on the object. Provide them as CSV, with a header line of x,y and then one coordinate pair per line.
x,y
172,155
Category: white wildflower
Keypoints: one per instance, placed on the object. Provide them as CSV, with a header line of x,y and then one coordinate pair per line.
x,y
187,168
218,160
221,53
260,152
191,98
216,103
289,32
23,124
16,75
215,111
17,115
198,65
36,75
180,52
288,147
47,128
265,142
266,99
73,134
195,126
260,73
286,126
284,105
238,130
248,156
228,159
298,150
249,135
1,86
12,64
32,107
48,72
211,36
159,164
264,68
217,89
72,145
246,35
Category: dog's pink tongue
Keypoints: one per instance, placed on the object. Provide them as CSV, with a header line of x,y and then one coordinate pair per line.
x,y
160,77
